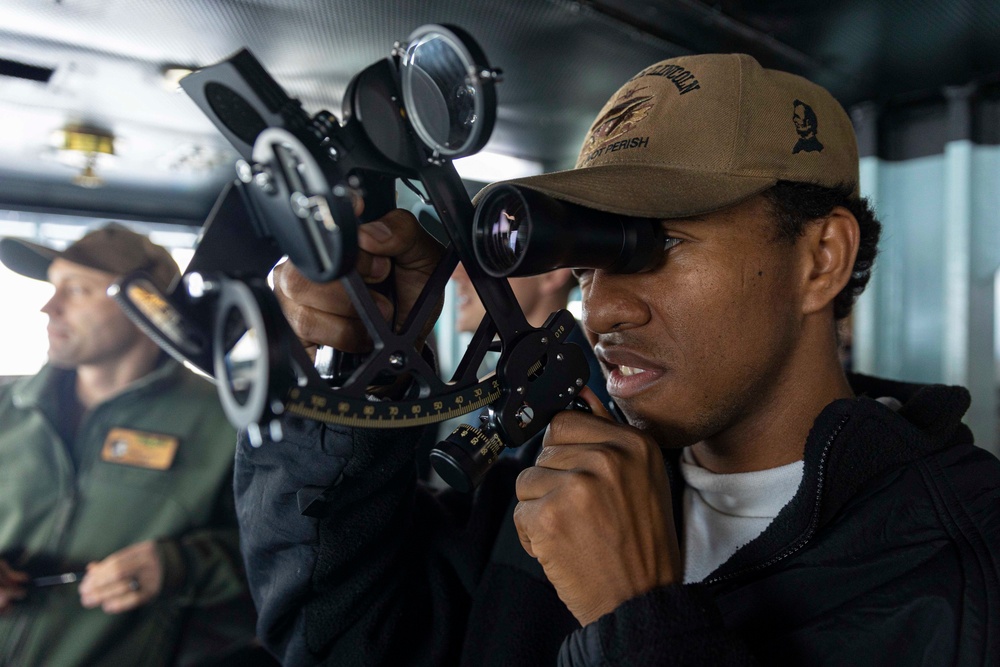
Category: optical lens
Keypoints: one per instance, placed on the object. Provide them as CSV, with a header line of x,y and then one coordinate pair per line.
x,y
243,358
505,231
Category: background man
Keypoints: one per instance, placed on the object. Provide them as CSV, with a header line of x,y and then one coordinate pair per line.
x,y
759,507
539,296
116,465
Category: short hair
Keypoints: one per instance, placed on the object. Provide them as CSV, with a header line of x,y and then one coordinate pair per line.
x,y
795,205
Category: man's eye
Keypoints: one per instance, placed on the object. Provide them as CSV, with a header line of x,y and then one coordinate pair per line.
x,y
669,242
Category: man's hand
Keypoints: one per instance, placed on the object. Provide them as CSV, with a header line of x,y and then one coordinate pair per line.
x,y
124,580
11,585
595,510
322,314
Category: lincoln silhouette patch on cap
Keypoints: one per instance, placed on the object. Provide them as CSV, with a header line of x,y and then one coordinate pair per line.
x,y
806,125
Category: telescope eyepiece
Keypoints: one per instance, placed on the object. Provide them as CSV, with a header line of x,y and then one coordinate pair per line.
x,y
520,232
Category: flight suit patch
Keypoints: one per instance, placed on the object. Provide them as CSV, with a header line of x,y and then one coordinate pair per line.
x,y
154,451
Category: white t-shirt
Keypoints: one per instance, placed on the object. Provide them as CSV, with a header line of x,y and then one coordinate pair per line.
x,y
724,512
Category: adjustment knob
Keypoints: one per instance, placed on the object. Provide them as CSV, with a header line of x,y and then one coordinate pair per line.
x,y
463,458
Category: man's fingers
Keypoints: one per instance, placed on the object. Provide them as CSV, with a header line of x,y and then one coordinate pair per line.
x,y
597,408
10,576
323,314
123,598
400,236
116,596
124,580
535,482
576,426
522,520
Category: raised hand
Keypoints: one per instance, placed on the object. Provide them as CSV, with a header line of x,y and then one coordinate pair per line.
x,y
322,314
595,510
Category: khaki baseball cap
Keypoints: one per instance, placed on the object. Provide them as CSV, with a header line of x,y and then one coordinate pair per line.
x,y
698,133
113,248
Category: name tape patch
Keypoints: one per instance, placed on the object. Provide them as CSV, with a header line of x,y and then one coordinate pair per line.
x,y
153,451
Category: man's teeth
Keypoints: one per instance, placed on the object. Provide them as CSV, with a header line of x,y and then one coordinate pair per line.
x,y
628,370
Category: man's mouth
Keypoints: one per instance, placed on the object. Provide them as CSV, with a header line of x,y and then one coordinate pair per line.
x,y
629,373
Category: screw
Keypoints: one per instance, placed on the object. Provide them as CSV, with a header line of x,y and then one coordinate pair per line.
x,y
524,415
244,171
495,75
265,182
254,435
579,382
545,341
520,390
274,430
197,286
559,357
397,360
332,151
300,204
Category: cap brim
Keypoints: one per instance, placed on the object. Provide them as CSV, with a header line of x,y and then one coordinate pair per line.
x,y
28,259
644,191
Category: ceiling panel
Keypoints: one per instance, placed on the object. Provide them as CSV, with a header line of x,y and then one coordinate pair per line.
x,y
561,60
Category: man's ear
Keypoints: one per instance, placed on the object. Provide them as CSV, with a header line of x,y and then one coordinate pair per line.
x,y
554,281
831,245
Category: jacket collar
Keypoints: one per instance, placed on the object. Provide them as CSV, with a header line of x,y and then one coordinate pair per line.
x,y
852,442
40,390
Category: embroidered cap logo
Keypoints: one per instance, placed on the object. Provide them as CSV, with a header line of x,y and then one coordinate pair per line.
x,y
621,118
806,126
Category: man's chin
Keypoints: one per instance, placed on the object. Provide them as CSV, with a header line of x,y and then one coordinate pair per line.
x,y
666,435
60,361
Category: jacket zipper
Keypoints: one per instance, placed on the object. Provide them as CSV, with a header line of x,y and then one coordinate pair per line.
x,y
813,522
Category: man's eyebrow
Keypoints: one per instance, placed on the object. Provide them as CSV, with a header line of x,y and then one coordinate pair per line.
x,y
686,218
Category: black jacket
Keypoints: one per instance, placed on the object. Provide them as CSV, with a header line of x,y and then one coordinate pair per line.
x,y
888,554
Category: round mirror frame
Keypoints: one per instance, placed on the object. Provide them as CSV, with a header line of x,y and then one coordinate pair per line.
x,y
237,295
478,74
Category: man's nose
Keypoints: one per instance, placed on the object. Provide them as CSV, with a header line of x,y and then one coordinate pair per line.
x,y
613,302
53,305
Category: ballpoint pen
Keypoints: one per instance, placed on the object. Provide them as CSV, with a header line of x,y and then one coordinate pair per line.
x,y
56,579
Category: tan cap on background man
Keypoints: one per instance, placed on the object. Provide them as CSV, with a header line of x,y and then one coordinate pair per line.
x,y
114,249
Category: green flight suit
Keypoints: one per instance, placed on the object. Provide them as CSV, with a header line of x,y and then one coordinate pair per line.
x,y
56,517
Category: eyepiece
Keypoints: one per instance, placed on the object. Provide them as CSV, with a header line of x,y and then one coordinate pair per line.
x,y
521,232
502,230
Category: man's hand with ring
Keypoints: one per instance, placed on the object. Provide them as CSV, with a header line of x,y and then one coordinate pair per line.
x,y
124,580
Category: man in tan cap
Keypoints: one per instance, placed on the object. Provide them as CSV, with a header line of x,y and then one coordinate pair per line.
x,y
116,517
758,507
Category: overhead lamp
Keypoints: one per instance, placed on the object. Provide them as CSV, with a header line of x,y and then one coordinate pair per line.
x,y
171,75
86,148
487,166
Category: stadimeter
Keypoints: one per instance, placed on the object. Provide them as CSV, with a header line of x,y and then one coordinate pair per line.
x,y
404,119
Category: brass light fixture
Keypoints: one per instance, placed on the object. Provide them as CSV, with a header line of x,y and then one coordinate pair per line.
x,y
85,147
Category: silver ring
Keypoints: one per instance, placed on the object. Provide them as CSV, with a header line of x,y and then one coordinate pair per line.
x,y
133,584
